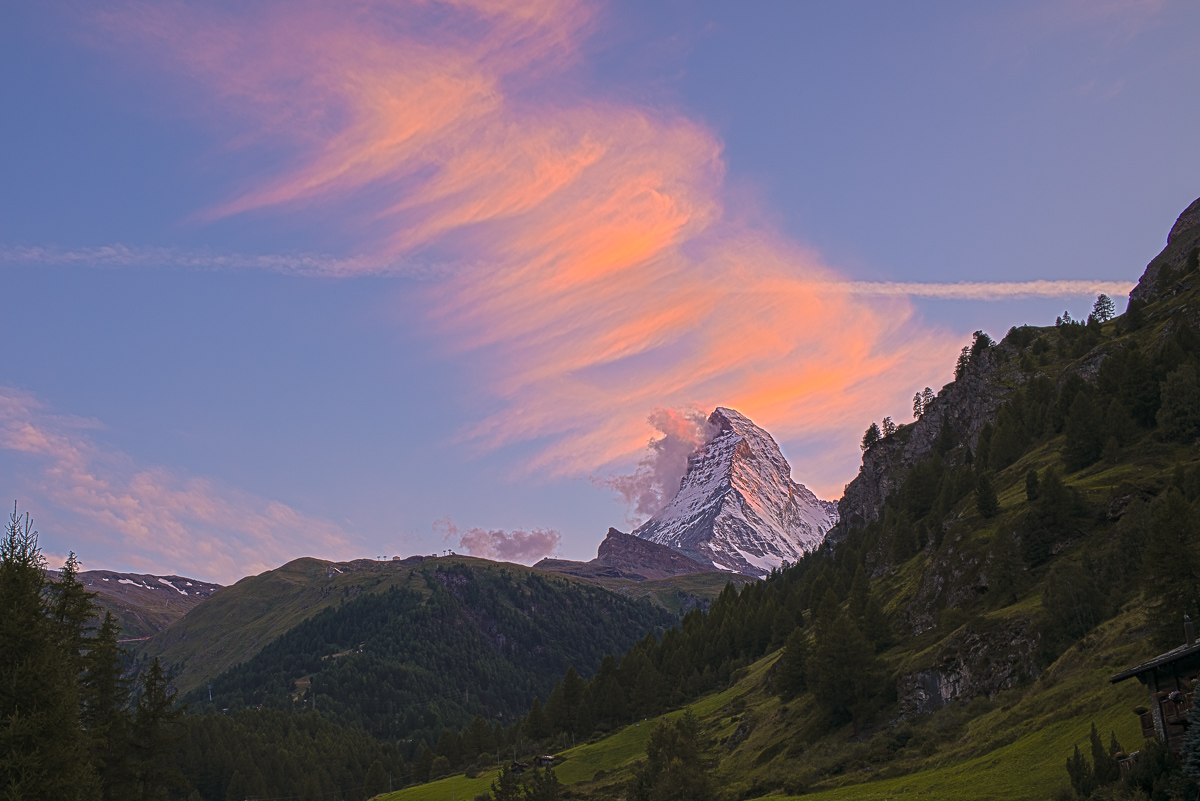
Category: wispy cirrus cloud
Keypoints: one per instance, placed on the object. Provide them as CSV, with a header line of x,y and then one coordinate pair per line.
x,y
598,274
157,520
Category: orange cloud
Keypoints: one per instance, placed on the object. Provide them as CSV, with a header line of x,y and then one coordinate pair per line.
x,y
601,277
160,521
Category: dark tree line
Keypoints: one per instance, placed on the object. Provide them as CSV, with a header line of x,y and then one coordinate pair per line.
x,y
71,727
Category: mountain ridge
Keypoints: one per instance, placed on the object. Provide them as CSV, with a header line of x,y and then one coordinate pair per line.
x,y
737,507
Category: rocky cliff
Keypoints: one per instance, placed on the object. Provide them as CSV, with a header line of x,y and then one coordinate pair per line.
x,y
956,416
1182,242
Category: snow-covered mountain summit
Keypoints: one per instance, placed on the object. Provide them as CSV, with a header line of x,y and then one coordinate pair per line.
x,y
737,506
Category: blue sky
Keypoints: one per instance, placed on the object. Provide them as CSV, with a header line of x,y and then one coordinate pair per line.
x,y
287,280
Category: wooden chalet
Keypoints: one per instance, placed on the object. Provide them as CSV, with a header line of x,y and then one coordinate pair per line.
x,y
1170,679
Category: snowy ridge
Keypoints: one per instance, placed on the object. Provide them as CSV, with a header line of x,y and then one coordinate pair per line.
x,y
737,507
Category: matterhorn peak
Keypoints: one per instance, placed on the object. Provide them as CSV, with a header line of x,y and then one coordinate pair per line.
x,y
737,507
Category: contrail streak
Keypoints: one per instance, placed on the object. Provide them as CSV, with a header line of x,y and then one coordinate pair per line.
x,y
320,264
983,290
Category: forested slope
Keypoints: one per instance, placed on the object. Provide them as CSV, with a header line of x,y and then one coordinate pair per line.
x,y
458,638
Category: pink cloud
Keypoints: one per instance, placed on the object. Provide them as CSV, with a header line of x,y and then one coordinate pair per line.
x,y
160,521
600,276
517,545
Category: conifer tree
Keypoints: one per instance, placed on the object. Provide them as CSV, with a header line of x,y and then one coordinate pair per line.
x,y
1104,766
860,591
1179,415
556,709
585,719
543,785
875,626
537,726
675,767
1031,485
828,611
1103,309
1005,568
156,730
1118,423
448,747
480,738
440,768
506,787
106,713
986,500
983,447
1084,429
1171,565
43,753
73,610
843,672
1083,779
376,781
905,542
790,675
423,764
573,689
871,437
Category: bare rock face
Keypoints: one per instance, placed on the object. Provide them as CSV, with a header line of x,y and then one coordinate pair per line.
x,y
737,508
969,665
1181,241
625,556
648,559
1186,222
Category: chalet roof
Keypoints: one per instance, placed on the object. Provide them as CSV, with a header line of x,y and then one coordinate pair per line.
x,y
1162,660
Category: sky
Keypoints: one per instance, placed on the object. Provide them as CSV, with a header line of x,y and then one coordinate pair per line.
x,y
361,279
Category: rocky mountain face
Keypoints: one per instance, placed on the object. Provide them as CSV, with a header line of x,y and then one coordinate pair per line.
x,y
737,508
145,604
956,415
963,406
625,556
1182,242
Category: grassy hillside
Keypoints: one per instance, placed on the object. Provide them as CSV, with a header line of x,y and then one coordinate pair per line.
x,y
1010,747
238,620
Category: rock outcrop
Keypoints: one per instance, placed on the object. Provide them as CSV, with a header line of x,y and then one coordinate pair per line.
x,y
969,664
737,507
959,412
1183,239
623,555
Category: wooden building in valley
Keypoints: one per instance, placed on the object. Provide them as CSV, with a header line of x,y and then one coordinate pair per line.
x,y
1170,679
